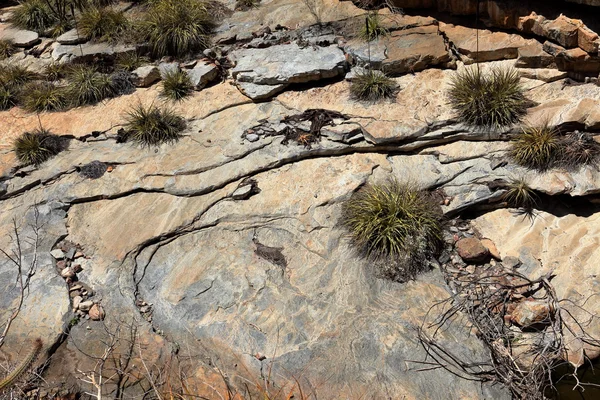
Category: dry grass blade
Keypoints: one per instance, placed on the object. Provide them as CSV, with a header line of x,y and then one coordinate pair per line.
x,y
537,147
372,29
519,194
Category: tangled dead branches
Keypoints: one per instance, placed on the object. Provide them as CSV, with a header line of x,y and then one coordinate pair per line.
x,y
527,331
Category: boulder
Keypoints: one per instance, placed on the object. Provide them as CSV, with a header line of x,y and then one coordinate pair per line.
x,y
287,63
531,312
471,250
403,51
146,75
96,313
167,67
20,37
533,56
563,31
492,45
71,37
491,247
202,74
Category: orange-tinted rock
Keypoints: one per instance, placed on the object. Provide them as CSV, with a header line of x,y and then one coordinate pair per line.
x,y
471,250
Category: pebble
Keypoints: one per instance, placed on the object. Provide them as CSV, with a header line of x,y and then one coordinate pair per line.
x,y
58,254
252,137
77,302
86,305
67,272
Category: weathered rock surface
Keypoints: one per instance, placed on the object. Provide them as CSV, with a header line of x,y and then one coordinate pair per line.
x,y
471,250
71,37
146,75
70,53
202,74
19,37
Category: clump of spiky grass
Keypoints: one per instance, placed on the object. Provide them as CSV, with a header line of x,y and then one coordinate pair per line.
x,y
43,96
129,61
7,49
14,76
396,224
104,24
176,85
579,148
492,100
151,126
245,5
177,27
537,147
87,86
55,71
372,85
37,146
34,15
372,28
8,97
520,195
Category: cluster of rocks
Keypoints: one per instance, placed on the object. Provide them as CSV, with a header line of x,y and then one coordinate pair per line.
x,y
69,259
475,270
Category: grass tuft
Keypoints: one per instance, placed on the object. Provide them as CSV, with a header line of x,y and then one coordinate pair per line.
x,y
579,148
87,86
372,28
7,49
43,96
104,24
177,27
537,147
372,85
520,195
8,97
151,126
492,100
55,71
129,61
396,224
176,85
33,148
14,76
33,15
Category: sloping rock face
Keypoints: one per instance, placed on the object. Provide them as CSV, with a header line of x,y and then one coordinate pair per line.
x,y
226,246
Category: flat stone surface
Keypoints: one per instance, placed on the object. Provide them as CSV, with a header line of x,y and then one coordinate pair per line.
x,y
87,51
202,74
287,63
19,37
71,37
260,92
146,75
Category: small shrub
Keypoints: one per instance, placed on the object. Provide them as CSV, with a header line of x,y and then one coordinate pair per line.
x,y
520,195
494,100
8,98
129,61
55,71
122,82
153,125
372,28
579,148
14,76
87,86
7,49
103,24
395,224
34,15
93,170
537,147
245,5
177,27
372,85
37,146
176,85
43,96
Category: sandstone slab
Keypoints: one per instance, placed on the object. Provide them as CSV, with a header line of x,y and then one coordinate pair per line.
x,y
71,37
21,38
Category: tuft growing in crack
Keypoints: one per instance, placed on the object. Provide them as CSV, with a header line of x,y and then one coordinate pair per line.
x,y
35,147
152,125
395,226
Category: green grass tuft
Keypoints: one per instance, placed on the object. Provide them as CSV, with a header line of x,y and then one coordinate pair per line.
x,y
43,96
372,28
15,76
372,85
8,97
151,126
7,49
33,15
55,71
33,148
520,195
492,100
537,147
104,24
129,61
394,223
177,27
87,86
176,85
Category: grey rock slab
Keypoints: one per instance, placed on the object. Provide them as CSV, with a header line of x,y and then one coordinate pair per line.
x,y
67,52
58,254
146,75
21,38
71,37
287,63
202,74
260,92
